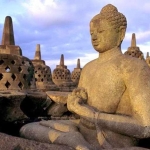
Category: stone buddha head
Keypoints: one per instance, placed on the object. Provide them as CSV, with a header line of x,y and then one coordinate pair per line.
x,y
107,29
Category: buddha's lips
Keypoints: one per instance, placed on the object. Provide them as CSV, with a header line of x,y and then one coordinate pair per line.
x,y
95,43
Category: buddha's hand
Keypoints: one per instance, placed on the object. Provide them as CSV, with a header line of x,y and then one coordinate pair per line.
x,y
79,93
76,103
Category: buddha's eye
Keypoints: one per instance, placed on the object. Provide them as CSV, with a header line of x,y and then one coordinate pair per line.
x,y
100,31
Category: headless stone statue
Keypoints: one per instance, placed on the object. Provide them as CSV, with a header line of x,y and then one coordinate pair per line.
x,y
112,98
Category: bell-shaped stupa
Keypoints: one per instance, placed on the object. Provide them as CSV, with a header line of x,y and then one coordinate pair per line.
x,y
16,71
75,75
62,77
133,50
42,72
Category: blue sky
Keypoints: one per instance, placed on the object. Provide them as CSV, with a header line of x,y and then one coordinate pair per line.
x,y
62,27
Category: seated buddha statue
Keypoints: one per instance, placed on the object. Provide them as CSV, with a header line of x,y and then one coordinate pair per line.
x,y
112,98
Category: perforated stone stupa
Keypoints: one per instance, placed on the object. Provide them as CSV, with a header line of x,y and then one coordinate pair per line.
x,y
42,72
75,76
148,59
16,77
133,50
16,71
62,77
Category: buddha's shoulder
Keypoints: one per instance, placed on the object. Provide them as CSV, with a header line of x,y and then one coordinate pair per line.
x,y
128,62
90,65
122,61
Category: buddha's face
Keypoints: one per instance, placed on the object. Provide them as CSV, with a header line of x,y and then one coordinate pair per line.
x,y
104,37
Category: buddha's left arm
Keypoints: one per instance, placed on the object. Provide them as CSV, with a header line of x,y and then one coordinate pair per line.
x,y
137,80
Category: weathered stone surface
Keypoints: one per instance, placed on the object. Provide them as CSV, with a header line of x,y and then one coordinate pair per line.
x,y
34,103
8,142
57,110
16,73
58,97
10,102
15,105
44,137
59,105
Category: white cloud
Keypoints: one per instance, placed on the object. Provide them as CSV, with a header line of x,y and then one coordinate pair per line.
x,y
38,6
48,12
146,7
145,48
140,35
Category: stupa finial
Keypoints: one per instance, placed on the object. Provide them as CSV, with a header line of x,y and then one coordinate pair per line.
x,y
147,55
8,33
133,40
78,63
37,52
62,60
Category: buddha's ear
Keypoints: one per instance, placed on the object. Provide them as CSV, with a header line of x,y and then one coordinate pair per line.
x,y
122,33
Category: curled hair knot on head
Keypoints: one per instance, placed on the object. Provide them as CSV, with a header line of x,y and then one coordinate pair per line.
x,y
111,14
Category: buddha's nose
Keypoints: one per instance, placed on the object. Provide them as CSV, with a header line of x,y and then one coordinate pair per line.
x,y
94,37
